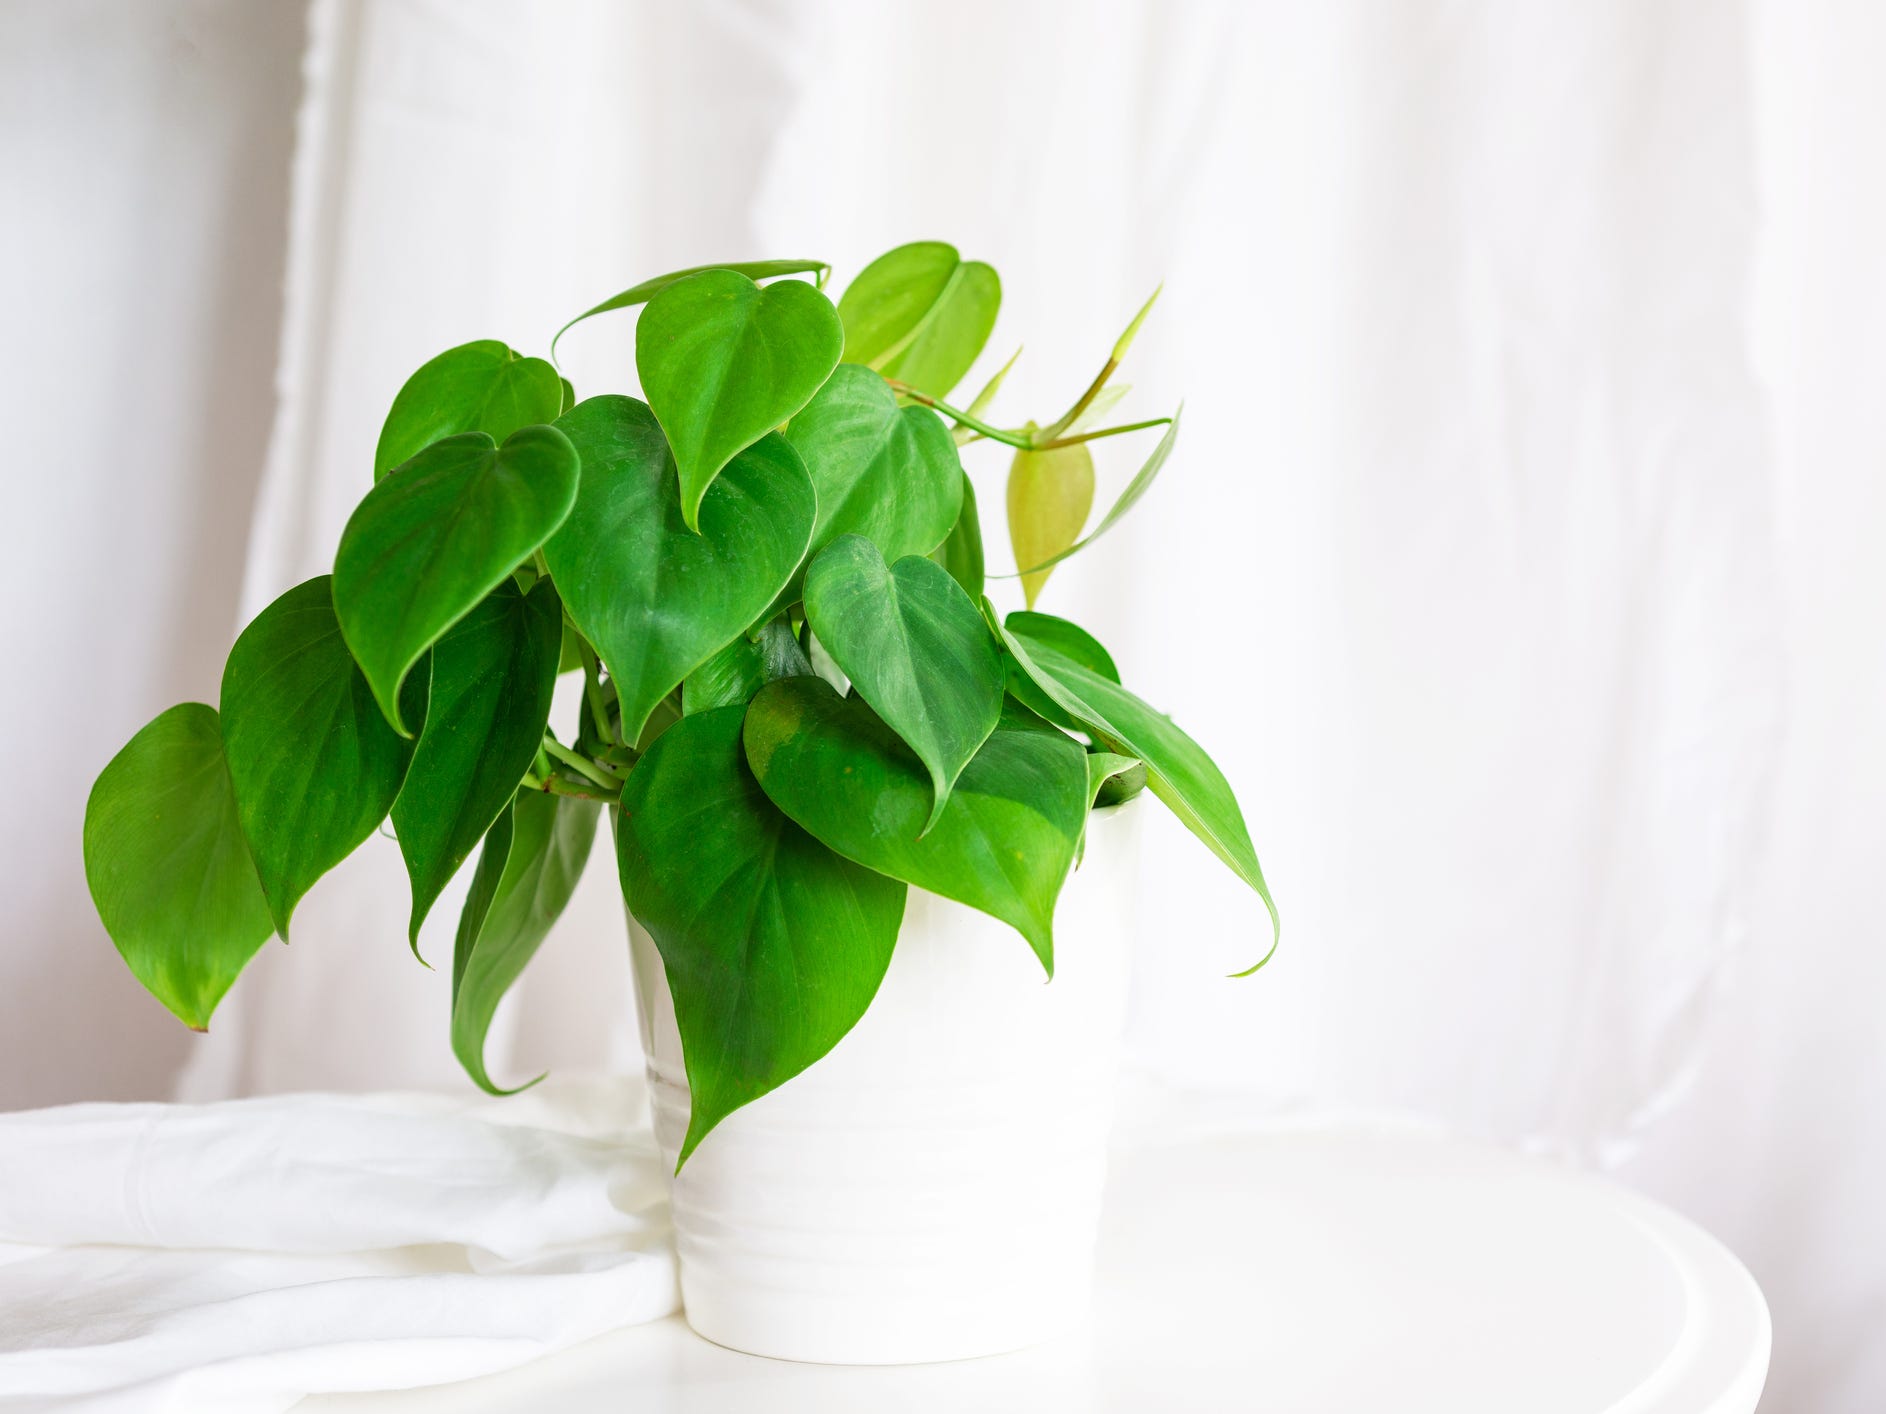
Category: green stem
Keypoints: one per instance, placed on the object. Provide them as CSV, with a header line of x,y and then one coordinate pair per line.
x,y
553,785
592,691
579,763
1081,404
1013,439
1104,432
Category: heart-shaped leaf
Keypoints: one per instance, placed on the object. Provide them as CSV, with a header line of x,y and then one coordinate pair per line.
x,y
723,362
1003,844
914,646
887,473
1177,768
961,552
493,674
920,313
1140,484
533,856
167,865
648,289
1049,497
743,667
314,764
773,946
657,599
478,387
426,545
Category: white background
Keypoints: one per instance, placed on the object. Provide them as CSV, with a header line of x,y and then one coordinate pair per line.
x,y
1519,561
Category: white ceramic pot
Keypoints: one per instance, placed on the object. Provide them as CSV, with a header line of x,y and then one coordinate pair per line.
x,y
931,1189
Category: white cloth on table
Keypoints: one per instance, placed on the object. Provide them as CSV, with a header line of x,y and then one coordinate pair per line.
x,y
240,1255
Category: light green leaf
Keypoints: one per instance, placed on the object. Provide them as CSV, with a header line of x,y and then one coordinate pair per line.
x,y
1003,844
1049,497
981,403
1106,768
949,341
723,362
167,865
889,474
478,387
914,646
657,599
532,858
1140,484
743,667
1177,769
648,289
1103,403
920,313
426,545
961,552
314,764
493,675
773,946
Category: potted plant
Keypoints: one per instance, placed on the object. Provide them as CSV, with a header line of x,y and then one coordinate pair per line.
x,y
833,773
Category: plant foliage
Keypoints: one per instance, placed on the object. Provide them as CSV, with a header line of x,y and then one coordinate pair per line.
x,y
797,701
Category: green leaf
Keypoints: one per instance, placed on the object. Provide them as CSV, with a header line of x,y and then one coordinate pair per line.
x,y
773,945
426,545
1140,484
527,871
961,552
723,362
981,403
1104,767
1177,768
1003,844
478,387
657,599
1049,497
493,675
920,313
743,667
914,646
168,869
887,473
648,289
1068,638
314,764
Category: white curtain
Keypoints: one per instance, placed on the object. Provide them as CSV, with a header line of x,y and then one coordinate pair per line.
x,y
1517,562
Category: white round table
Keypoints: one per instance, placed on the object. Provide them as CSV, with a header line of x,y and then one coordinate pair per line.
x,y
1293,1267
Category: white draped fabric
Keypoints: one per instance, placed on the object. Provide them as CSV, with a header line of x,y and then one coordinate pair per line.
x,y
1517,561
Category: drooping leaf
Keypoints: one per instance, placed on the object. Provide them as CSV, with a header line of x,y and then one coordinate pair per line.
x,y
920,313
887,473
1108,769
493,675
314,764
1068,638
532,858
657,599
773,946
1004,842
743,667
648,289
914,646
723,362
168,867
426,545
1141,483
961,552
1049,497
477,387
1177,769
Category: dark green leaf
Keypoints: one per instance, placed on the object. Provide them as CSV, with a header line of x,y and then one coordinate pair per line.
x,y
889,474
429,543
961,552
743,667
914,646
314,764
167,865
1003,844
493,675
655,598
526,873
1068,639
479,387
648,289
773,946
1177,769
920,313
723,362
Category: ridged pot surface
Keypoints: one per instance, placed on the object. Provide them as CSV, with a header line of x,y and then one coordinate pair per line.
x,y
931,1189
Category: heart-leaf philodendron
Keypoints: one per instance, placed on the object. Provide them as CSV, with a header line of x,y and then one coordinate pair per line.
x,y
796,701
